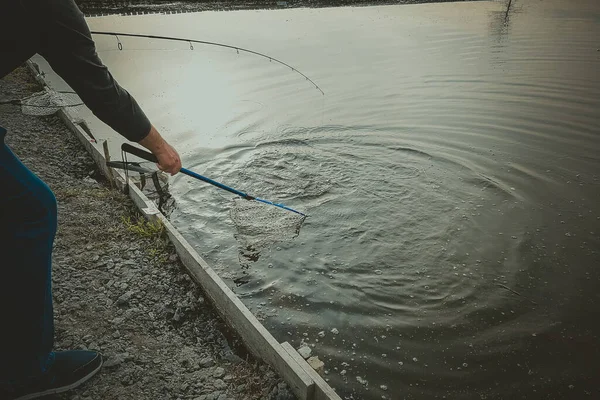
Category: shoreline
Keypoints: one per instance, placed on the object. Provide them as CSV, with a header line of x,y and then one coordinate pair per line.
x,y
108,7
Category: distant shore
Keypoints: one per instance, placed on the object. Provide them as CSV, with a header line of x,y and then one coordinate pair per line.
x,y
99,7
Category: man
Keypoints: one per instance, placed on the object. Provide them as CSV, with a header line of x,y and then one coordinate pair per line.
x,y
55,29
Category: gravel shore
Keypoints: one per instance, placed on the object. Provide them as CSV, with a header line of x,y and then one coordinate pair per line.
x,y
118,286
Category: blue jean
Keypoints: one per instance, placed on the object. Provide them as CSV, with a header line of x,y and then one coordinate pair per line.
x,y
28,217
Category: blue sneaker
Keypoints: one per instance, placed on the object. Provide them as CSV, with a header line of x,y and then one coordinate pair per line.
x,y
69,370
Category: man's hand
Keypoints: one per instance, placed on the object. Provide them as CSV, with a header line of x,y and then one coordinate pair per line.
x,y
168,158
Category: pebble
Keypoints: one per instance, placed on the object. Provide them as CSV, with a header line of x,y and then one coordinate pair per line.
x,y
112,362
124,298
335,331
362,381
304,351
207,362
219,384
219,372
316,364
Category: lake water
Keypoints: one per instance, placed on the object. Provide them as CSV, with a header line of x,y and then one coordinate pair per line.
x,y
451,173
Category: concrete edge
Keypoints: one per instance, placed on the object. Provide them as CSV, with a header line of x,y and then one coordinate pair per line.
x,y
322,389
297,373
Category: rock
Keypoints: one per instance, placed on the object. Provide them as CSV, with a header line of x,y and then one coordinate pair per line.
x,y
241,388
335,331
124,298
316,364
113,362
207,362
218,372
362,381
177,316
321,334
284,393
219,384
304,351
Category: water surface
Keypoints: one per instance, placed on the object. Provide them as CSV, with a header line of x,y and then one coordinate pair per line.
x,y
451,174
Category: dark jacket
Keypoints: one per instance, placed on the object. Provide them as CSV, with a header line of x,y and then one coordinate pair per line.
x,y
56,29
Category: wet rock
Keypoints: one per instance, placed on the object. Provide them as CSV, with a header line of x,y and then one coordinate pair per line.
x,y
316,364
304,351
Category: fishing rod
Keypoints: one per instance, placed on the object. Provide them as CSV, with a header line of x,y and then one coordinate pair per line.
x,y
190,41
128,148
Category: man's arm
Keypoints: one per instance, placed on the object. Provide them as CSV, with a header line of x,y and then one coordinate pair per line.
x,y
67,45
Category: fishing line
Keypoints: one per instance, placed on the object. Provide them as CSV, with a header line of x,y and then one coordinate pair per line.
x,y
190,41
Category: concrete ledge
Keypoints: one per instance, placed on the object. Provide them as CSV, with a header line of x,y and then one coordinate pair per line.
x,y
322,389
302,379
